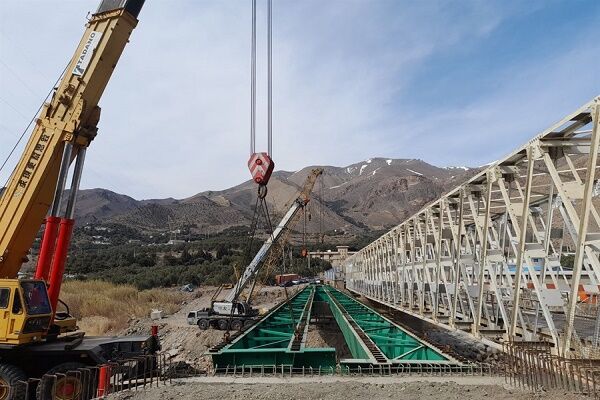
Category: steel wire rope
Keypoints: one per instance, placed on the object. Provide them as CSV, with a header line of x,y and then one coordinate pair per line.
x,y
14,73
24,56
321,208
269,80
29,125
269,226
270,77
253,82
250,244
260,206
15,109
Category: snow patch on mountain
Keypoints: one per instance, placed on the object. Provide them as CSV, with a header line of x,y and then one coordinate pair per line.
x,y
337,186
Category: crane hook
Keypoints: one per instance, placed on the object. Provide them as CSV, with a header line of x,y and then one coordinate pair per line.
x,y
262,191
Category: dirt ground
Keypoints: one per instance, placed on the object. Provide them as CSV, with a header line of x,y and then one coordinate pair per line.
x,y
187,343
328,335
340,389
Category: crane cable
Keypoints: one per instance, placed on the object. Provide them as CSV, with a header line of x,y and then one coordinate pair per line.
x,y
269,79
31,122
261,206
253,82
261,203
321,209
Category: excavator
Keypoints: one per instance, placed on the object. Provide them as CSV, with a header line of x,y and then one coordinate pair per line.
x,y
232,312
35,338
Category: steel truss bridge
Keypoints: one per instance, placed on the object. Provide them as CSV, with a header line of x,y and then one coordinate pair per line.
x,y
490,256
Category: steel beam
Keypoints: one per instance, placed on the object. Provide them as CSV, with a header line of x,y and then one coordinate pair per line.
x,y
278,339
374,339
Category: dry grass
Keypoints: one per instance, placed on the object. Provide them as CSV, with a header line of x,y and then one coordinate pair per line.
x,y
102,307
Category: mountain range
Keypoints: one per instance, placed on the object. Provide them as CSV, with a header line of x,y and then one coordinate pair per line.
x,y
370,195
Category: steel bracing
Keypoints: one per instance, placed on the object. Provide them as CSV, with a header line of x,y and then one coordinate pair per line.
x,y
511,254
280,338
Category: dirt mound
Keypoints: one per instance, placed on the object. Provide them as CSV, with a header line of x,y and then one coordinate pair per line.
x,y
181,343
186,343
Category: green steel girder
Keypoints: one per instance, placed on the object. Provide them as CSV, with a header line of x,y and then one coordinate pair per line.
x,y
396,344
278,339
357,348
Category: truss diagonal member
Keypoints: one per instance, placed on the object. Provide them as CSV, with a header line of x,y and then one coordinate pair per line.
x,y
483,237
457,253
586,205
521,250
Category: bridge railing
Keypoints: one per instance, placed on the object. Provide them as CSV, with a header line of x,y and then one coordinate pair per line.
x,y
532,365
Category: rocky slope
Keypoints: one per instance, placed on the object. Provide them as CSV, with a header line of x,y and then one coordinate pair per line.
x,y
372,194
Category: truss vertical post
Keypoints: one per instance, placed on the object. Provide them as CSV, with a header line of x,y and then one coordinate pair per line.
x,y
438,265
522,242
413,260
458,245
404,262
483,252
586,205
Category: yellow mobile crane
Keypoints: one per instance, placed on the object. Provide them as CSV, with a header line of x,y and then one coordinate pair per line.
x,y
34,337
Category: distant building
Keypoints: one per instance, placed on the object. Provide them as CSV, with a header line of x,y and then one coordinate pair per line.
x,y
336,259
173,242
101,240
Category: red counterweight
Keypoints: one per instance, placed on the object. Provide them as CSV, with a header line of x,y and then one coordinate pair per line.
x,y
261,167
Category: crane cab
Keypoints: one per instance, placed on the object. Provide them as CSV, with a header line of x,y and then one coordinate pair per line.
x,y
235,309
25,312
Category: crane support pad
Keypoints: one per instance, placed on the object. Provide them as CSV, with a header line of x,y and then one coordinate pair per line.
x,y
278,339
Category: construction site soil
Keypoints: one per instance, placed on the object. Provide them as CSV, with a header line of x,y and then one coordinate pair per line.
x,y
339,388
185,346
184,343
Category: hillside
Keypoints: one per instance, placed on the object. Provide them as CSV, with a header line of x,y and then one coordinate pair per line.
x,y
373,194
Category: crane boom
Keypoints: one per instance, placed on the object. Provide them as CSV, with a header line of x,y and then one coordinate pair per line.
x,y
254,266
68,119
32,341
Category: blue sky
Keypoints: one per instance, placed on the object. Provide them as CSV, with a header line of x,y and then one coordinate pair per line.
x,y
449,82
